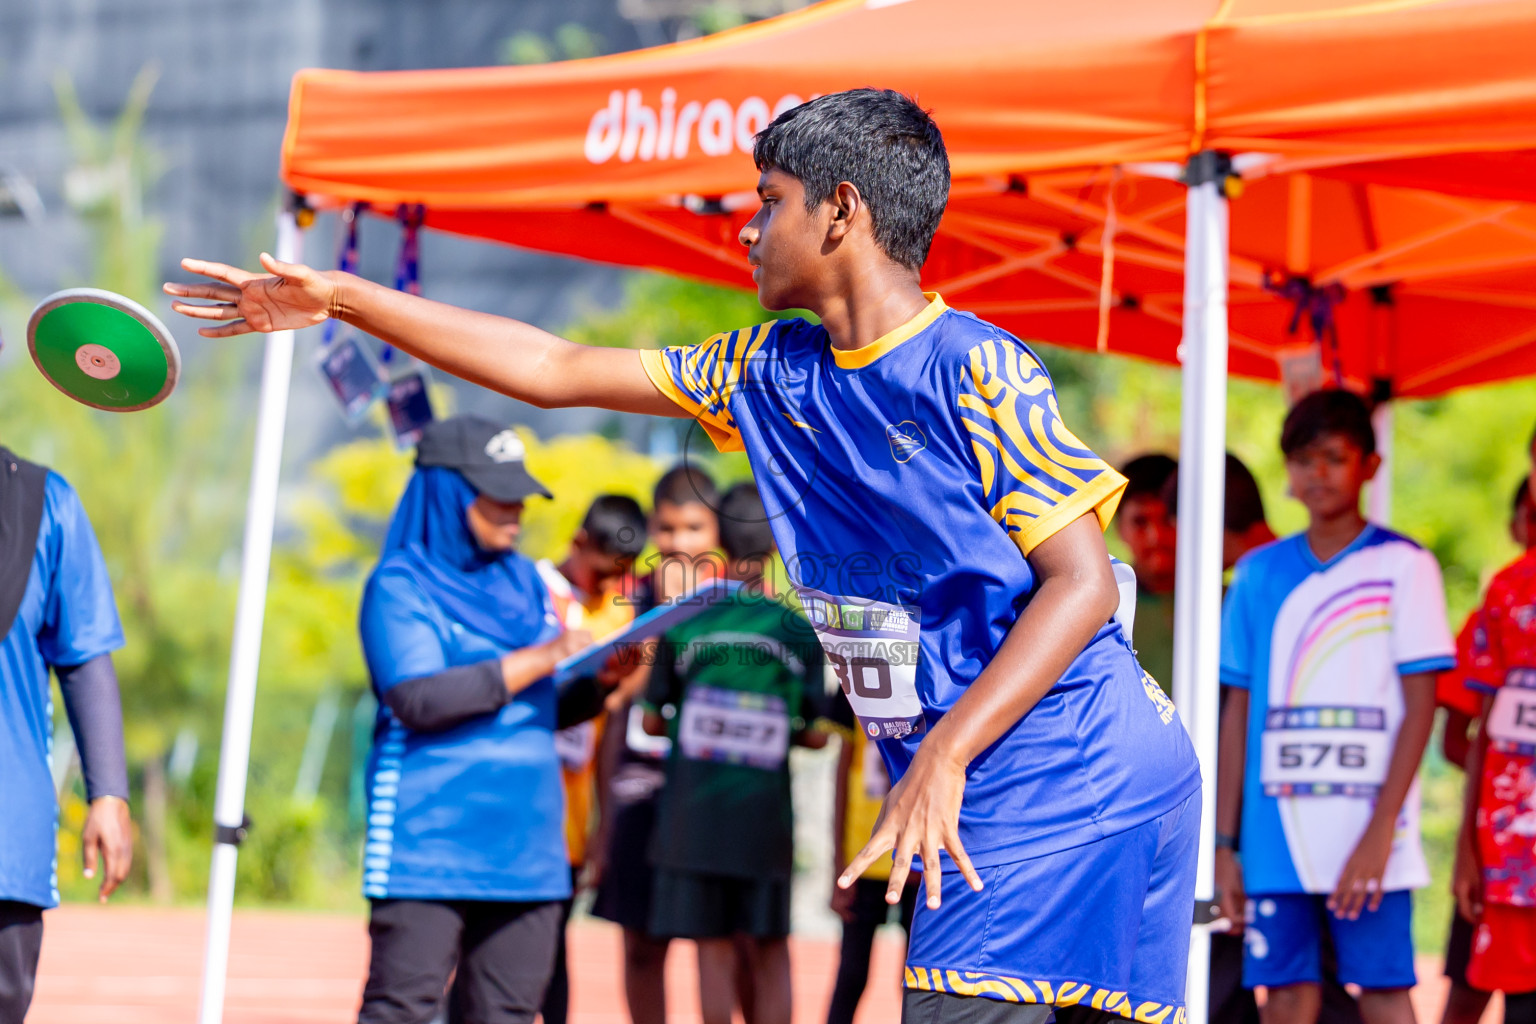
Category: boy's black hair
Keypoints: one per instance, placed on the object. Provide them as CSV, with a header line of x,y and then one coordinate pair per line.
x,y
1522,495
881,142
1334,411
615,525
1244,505
744,531
1145,475
684,484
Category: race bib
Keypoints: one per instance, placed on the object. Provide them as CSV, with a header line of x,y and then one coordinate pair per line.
x,y
1512,719
734,727
1321,751
877,783
576,745
873,650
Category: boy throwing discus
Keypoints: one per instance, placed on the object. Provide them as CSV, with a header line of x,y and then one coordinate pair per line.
x,y
944,530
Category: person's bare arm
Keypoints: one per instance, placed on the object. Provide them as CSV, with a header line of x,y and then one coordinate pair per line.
x,y
1076,596
1231,758
505,355
842,899
1467,869
1360,883
1456,741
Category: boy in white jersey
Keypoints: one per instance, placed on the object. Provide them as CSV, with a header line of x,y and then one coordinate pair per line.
x,y
943,527
1330,644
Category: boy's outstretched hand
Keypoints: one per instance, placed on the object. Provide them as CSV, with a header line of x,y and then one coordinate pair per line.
x,y
288,297
920,817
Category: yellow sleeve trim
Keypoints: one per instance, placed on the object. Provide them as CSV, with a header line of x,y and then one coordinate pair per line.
x,y
655,363
1101,496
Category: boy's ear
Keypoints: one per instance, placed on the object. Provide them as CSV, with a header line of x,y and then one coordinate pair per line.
x,y
1372,464
846,205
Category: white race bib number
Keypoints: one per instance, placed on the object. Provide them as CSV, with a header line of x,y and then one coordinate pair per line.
x,y
1324,751
734,727
877,783
1512,719
576,745
872,648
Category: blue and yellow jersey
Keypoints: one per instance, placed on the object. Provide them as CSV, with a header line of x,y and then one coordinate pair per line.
x,y
907,483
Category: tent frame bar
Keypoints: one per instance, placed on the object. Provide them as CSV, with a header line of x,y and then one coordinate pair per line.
x,y
1202,486
230,822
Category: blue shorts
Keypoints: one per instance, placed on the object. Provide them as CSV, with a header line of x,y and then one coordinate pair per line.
x,y
1104,925
1282,935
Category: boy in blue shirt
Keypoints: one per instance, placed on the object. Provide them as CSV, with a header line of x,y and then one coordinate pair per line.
x,y
1330,644
943,528
56,612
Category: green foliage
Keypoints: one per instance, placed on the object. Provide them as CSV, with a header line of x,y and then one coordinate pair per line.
x,y
572,41
110,172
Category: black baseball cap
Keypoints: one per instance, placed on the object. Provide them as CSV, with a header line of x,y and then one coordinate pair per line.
x,y
488,454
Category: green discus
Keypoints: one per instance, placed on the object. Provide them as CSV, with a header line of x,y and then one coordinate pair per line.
x,y
103,350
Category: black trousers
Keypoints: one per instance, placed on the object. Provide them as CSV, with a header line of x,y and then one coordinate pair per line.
x,y
21,940
503,954
557,997
870,911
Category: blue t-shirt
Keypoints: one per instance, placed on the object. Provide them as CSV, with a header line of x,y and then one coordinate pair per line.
x,y
906,482
67,617
474,812
1321,647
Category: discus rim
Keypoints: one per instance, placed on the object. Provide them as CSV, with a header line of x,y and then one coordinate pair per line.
x,y
122,304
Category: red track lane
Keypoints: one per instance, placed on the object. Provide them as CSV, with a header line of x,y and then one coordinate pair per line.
x,y
141,965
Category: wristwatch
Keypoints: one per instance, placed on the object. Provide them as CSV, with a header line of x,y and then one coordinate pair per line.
x,y
1225,841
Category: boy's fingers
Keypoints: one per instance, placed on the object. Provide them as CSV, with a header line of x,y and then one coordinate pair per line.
x,y
933,875
219,292
90,856
901,866
962,861
878,843
228,330
292,271
220,312
218,271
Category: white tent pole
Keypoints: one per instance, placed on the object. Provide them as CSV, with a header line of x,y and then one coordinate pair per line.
x,y
245,653
1378,504
1202,483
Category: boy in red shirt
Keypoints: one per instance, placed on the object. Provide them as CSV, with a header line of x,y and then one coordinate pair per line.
x,y
1463,705
1495,878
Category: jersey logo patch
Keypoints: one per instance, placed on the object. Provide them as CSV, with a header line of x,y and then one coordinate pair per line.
x,y
907,439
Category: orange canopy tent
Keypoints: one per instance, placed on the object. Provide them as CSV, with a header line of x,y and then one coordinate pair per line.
x,y
1064,125
642,159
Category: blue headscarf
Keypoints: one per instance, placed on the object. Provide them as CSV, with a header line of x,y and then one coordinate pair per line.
x,y
497,594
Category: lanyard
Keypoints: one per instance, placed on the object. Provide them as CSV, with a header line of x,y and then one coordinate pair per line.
x,y
408,266
346,262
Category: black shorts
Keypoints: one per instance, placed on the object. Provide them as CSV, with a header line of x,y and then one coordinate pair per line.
x,y
1458,949
692,905
923,1007
624,891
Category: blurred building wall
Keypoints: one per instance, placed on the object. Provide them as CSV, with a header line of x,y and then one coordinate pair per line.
x,y
216,118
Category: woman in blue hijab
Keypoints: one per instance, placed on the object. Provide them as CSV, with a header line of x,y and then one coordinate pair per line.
x,y
465,862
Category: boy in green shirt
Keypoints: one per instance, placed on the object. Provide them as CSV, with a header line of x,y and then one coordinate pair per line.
x,y
733,688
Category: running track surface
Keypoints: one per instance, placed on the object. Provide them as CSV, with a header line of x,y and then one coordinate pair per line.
x,y
138,965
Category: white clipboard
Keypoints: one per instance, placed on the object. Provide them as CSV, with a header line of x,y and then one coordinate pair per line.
x,y
589,660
